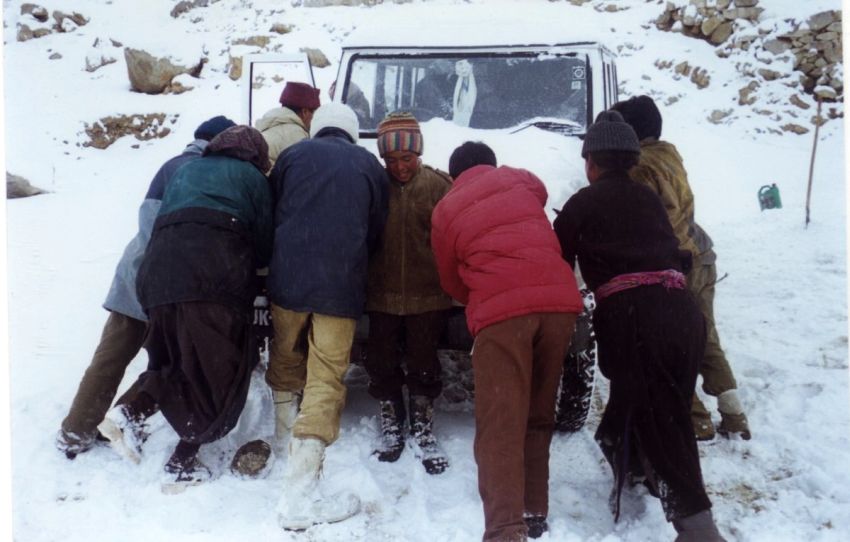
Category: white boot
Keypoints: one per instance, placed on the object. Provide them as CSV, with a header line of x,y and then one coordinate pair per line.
x,y
302,504
286,405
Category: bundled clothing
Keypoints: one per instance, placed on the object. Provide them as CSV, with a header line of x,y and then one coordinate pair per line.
x,y
496,252
125,329
198,283
650,334
330,208
281,127
661,168
404,293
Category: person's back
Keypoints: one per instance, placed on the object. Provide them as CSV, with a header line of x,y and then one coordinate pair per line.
x,y
624,229
218,193
494,219
330,207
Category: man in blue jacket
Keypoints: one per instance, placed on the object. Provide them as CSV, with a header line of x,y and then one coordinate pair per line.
x,y
330,210
124,331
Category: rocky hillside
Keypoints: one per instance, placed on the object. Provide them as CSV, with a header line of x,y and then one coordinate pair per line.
x,y
781,67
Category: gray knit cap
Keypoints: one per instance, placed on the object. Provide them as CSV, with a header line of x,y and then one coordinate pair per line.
x,y
610,133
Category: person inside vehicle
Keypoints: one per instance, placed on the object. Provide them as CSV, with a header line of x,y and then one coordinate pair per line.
x,y
650,331
405,302
497,254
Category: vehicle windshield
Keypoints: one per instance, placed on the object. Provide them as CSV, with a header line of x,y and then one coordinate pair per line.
x,y
491,91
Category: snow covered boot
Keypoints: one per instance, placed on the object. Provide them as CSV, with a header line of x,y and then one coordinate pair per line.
x,y
125,431
425,443
302,504
699,527
286,406
733,421
72,444
184,469
536,525
393,416
701,419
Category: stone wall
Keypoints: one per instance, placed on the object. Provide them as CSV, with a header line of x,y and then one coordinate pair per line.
x,y
813,46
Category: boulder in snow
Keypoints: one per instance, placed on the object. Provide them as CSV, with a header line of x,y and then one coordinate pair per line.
x,y
316,57
18,187
38,12
152,75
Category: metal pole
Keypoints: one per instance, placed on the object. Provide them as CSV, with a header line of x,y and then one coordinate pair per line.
x,y
812,163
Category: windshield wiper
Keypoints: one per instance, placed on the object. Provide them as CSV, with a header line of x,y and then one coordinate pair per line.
x,y
560,126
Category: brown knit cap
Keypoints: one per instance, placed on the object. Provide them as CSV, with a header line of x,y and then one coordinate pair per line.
x,y
399,131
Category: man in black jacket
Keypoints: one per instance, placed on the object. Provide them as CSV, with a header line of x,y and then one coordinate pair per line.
x,y
330,210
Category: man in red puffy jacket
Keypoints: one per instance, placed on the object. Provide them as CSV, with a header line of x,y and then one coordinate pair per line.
x,y
496,252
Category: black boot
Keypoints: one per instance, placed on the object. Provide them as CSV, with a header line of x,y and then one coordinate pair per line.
x,y
184,469
421,419
392,430
699,527
536,525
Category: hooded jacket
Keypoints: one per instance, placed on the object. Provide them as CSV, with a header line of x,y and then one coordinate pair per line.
x,y
330,210
281,128
403,276
496,251
122,296
212,233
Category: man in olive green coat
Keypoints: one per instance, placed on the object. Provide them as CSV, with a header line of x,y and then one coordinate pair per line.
x,y
661,169
404,297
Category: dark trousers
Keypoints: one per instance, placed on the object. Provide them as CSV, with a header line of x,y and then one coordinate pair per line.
x,y
201,357
651,341
419,333
517,367
120,342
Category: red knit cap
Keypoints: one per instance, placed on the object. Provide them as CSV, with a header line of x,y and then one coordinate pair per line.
x,y
399,131
299,96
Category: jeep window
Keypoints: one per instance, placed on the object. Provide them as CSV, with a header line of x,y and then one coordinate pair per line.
x,y
490,91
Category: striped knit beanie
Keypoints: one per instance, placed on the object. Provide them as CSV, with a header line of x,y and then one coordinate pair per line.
x,y
399,131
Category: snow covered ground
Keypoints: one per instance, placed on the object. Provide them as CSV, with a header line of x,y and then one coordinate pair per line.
x,y
782,311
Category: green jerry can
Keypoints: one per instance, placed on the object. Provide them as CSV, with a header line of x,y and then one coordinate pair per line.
x,y
769,197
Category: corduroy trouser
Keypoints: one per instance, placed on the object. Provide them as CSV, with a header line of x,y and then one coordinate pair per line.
x,y
311,352
517,367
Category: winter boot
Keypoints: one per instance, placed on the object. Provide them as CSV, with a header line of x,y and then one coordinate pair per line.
x,y
701,419
286,406
699,527
184,469
392,431
425,443
72,445
733,421
536,525
302,505
252,459
126,432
